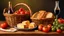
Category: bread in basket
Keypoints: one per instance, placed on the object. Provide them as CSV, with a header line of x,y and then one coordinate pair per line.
x,y
43,17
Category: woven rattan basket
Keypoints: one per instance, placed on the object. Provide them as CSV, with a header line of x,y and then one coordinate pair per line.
x,y
14,19
43,21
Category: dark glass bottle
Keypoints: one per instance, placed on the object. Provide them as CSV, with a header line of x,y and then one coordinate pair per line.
x,y
10,10
57,8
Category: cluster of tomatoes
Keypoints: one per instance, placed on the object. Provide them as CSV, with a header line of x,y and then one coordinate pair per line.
x,y
47,28
22,12
44,28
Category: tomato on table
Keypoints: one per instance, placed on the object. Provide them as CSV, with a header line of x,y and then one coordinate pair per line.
x,y
59,30
49,26
4,25
45,29
40,27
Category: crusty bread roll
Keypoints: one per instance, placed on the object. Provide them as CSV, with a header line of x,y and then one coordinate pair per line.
x,y
49,15
41,14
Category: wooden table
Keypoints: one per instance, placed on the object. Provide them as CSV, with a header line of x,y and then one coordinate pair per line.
x,y
30,33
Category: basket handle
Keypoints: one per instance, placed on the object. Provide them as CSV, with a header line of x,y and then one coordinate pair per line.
x,y
24,5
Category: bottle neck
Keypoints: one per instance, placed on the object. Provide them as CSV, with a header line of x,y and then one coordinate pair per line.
x,y
57,4
10,10
10,5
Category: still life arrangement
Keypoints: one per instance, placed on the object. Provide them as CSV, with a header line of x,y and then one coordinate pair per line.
x,y
24,20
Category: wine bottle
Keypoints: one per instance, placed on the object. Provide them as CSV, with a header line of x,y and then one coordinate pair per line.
x,y
10,10
57,8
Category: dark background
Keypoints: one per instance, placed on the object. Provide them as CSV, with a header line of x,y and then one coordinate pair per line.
x,y
35,5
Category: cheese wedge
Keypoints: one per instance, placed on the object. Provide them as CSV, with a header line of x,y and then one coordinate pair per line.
x,y
20,26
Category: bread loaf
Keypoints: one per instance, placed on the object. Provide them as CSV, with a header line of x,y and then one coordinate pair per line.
x,y
49,15
34,15
41,14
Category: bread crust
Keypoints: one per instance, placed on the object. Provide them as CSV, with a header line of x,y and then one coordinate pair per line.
x,y
49,15
41,14
34,15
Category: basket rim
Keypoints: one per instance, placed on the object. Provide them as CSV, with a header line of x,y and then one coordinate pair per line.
x,y
14,14
42,18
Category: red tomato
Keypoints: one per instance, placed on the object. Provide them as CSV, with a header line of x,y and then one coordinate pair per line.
x,y
17,12
4,25
49,26
59,30
60,20
22,12
27,12
21,9
40,27
45,29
